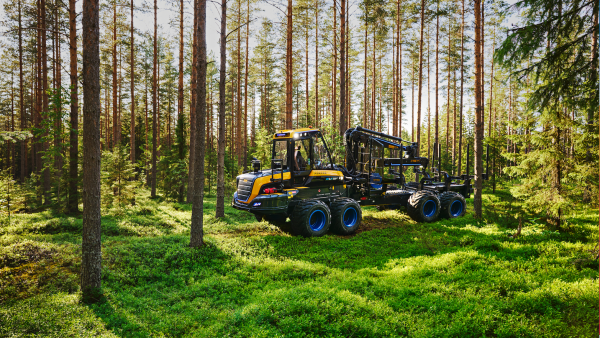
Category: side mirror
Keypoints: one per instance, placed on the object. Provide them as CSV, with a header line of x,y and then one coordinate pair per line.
x,y
256,165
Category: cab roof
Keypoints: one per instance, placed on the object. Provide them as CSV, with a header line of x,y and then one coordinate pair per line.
x,y
289,133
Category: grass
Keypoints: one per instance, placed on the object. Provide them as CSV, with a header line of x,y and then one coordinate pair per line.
x,y
451,278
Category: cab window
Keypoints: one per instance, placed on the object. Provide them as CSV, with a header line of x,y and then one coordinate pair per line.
x,y
280,152
319,152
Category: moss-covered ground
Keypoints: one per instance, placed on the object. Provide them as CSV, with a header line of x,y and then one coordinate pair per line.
x,y
451,278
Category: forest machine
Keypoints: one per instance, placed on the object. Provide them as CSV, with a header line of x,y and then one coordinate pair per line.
x,y
304,184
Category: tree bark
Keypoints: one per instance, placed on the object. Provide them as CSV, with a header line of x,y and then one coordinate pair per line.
x,y
462,81
44,93
448,89
317,118
398,81
192,159
334,68
478,113
220,208
197,231
343,118
116,131
420,77
91,259
491,89
21,103
365,99
154,104
238,130
246,85
437,66
73,133
288,69
132,84
180,84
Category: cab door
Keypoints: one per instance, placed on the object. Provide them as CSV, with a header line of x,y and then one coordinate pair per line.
x,y
324,181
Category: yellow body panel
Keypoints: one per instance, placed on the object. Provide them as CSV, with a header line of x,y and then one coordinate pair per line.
x,y
259,182
326,173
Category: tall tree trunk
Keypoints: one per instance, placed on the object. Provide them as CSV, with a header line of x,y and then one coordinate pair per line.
x,y
246,85
21,103
343,118
454,123
334,68
317,117
412,101
116,131
197,231
399,78
348,83
398,82
306,83
393,120
448,93
74,130
132,84
288,69
428,98
420,77
91,259
58,108
482,66
374,83
491,89
220,208
192,159
478,113
45,146
365,99
437,66
154,104
462,81
238,123
180,112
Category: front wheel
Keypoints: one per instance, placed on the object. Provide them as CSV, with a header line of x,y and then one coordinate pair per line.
x,y
311,218
346,216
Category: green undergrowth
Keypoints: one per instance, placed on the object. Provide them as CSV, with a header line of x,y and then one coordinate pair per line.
x,y
395,277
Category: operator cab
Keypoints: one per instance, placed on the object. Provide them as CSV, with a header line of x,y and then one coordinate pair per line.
x,y
299,152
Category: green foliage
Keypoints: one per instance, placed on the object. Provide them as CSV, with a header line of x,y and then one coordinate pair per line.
x,y
174,166
12,195
264,147
550,58
454,278
118,177
335,141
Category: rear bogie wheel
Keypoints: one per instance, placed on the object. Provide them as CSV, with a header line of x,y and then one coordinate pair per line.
x,y
346,216
311,218
453,205
423,207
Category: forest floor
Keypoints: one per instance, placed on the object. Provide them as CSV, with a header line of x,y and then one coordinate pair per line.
x,y
451,278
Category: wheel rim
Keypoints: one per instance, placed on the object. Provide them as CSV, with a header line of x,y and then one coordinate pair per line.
x,y
350,217
429,208
317,220
456,208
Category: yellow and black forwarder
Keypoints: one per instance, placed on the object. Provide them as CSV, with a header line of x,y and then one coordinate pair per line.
x,y
304,184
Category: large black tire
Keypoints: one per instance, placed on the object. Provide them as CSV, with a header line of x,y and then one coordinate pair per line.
x,y
453,205
423,206
346,216
311,218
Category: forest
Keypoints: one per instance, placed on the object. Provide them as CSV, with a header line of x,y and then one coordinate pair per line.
x,y
124,124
